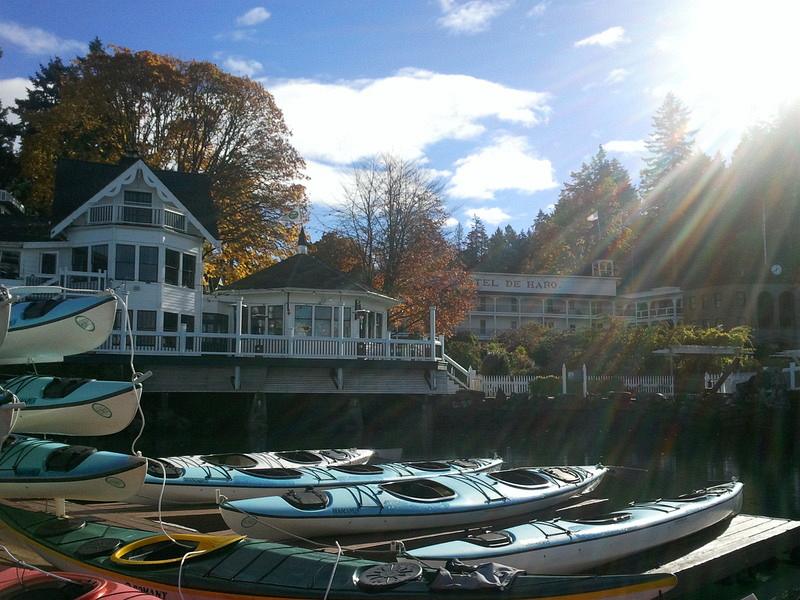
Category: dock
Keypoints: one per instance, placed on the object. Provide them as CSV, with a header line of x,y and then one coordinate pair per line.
x,y
710,556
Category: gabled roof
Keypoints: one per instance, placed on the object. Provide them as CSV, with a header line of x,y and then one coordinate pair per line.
x,y
78,181
301,271
15,228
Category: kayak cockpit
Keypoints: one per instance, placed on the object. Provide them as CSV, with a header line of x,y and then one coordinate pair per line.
x,y
419,490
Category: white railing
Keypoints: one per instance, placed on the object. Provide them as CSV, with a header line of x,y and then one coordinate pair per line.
x,y
509,384
74,280
224,344
649,384
136,215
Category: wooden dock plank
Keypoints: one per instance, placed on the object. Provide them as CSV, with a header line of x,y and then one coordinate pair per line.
x,y
748,541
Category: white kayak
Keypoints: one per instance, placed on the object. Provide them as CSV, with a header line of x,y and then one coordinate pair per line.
x,y
446,501
183,482
34,468
564,546
287,459
72,406
48,330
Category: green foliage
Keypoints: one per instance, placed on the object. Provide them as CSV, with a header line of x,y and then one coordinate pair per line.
x,y
547,385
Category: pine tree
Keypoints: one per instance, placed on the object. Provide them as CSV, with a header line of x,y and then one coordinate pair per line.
x,y
670,143
477,244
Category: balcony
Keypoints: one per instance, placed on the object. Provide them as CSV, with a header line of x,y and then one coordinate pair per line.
x,y
107,214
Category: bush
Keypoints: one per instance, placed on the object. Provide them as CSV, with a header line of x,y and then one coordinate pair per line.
x,y
548,385
496,363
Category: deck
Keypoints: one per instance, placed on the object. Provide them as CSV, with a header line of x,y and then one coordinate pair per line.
x,y
721,552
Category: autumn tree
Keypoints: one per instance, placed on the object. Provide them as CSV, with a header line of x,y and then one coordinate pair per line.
x,y
183,115
395,215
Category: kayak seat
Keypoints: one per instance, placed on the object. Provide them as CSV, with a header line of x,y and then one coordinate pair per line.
x,y
604,520
302,457
102,546
306,500
334,454
275,473
430,466
61,387
67,458
160,468
490,539
563,474
39,308
520,477
419,490
359,469
239,461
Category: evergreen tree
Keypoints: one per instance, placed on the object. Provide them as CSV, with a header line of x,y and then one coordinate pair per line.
x,y
477,244
670,143
9,165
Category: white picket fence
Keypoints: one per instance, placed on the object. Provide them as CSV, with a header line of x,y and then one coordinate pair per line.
x,y
520,384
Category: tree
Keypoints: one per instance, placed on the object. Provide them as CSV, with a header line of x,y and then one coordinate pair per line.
x,y
395,215
670,143
477,244
184,115
340,252
9,165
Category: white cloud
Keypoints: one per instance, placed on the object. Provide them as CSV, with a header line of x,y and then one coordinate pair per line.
x,y
326,184
33,40
254,16
451,222
538,9
625,146
243,66
472,16
609,38
490,216
10,90
617,76
508,164
402,114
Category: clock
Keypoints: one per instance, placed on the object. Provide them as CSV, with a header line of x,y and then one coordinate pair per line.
x,y
776,269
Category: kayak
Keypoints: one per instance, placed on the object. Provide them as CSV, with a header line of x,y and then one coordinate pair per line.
x,y
289,459
573,546
71,406
20,584
5,312
446,501
34,468
48,330
235,568
187,482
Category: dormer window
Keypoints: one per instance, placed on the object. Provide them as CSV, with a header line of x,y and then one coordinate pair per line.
x,y
137,208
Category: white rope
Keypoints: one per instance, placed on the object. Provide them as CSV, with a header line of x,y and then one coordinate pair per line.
x,y
34,567
333,571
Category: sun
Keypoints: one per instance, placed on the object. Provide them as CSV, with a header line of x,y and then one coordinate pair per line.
x,y
737,60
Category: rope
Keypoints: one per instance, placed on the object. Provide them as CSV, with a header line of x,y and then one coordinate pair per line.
x,y
333,571
34,567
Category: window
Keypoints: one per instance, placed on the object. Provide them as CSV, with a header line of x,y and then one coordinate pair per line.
x,y
138,198
187,321
80,259
554,306
146,321
215,323
378,325
275,319
482,302
48,263
302,319
99,258
323,318
188,271
172,266
9,264
258,320
170,324
347,325
482,326
148,263
513,323
125,267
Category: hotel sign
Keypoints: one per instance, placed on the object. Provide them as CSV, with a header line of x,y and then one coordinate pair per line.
x,y
545,284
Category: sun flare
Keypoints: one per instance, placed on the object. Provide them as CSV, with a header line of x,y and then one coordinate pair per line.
x,y
737,60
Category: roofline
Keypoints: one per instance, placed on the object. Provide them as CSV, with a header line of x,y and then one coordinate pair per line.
x,y
239,292
126,177
592,277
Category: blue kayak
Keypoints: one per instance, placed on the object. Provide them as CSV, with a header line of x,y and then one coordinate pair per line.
x,y
188,481
5,312
48,330
34,468
73,406
446,501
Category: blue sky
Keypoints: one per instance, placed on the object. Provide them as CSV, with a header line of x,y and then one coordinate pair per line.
x,y
502,99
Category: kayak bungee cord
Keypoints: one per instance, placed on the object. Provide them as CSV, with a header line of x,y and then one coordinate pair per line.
x,y
34,567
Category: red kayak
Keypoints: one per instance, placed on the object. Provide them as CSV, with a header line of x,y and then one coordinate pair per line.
x,y
28,584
